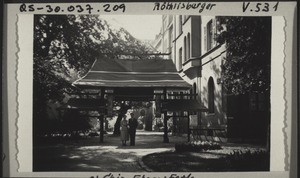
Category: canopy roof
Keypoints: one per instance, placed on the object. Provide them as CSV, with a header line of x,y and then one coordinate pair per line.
x,y
133,73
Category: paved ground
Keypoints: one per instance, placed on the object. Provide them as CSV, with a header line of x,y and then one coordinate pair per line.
x,y
89,155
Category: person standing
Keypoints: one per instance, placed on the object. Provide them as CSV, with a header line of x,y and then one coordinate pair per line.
x,y
132,129
124,131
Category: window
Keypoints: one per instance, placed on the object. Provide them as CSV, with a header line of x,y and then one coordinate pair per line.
x,y
170,38
211,95
180,59
180,24
184,45
165,24
194,90
188,50
209,41
165,47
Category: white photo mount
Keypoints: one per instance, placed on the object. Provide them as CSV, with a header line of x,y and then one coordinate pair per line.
x,y
18,55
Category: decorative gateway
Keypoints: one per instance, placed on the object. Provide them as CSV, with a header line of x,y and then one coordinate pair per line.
x,y
140,80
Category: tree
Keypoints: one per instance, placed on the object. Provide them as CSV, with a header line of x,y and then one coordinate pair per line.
x,y
73,123
246,67
65,46
124,107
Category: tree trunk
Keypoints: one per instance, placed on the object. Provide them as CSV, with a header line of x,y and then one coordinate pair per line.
x,y
123,110
106,124
117,125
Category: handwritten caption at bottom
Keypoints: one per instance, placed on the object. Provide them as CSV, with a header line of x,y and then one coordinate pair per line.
x,y
172,175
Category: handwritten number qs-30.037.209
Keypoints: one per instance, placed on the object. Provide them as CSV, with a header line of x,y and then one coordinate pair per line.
x,y
87,8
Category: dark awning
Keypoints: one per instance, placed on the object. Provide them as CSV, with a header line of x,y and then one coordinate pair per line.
x,y
133,73
183,105
84,104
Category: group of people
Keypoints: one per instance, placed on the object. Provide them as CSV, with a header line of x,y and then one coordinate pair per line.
x,y
128,129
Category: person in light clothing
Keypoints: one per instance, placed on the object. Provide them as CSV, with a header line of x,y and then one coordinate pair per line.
x,y
124,131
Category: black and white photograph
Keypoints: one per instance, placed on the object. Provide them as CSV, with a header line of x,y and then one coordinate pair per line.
x,y
159,93
149,89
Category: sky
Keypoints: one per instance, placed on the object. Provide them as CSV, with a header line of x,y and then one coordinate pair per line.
x,y
142,27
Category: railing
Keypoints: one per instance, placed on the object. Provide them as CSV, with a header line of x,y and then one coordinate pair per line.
x,y
209,134
183,95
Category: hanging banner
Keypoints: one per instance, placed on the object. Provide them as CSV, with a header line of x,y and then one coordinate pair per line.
x,y
157,105
110,101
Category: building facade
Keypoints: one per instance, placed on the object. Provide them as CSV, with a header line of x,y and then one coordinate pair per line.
x,y
190,40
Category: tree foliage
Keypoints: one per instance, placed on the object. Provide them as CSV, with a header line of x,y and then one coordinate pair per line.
x,y
69,42
246,67
65,46
73,123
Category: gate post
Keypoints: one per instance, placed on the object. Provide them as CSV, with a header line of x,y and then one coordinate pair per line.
x,y
101,118
189,129
166,138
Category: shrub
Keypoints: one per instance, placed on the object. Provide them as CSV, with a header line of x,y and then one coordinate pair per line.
x,y
93,134
196,146
239,155
74,123
249,160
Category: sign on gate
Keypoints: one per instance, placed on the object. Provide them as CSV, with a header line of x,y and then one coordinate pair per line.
x,y
193,121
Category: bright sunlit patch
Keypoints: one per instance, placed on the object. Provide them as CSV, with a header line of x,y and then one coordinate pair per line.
x,y
96,147
128,160
132,23
74,157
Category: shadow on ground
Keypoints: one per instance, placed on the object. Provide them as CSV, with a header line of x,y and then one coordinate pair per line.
x,y
203,162
89,155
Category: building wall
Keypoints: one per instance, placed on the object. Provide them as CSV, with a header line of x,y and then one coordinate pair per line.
x,y
186,38
231,112
211,64
211,68
157,44
189,40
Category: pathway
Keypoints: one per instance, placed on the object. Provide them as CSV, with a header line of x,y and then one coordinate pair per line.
x,y
89,155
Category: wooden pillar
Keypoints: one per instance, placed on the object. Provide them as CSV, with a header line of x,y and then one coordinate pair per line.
x,y
174,123
106,124
101,119
189,130
166,138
